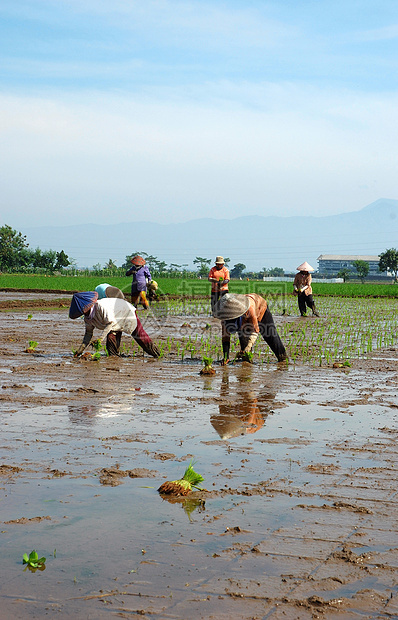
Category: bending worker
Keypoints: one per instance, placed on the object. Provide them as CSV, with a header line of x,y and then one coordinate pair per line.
x,y
106,290
303,289
141,277
111,316
248,316
219,278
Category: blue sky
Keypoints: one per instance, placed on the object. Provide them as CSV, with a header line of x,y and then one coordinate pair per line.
x,y
123,110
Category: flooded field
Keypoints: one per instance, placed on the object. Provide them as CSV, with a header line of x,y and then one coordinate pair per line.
x,y
298,518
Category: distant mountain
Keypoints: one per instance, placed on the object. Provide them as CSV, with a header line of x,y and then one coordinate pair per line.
x,y
253,240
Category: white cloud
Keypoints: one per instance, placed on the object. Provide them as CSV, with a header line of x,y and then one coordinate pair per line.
x,y
299,150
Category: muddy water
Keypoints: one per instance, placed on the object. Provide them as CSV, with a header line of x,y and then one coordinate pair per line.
x,y
297,519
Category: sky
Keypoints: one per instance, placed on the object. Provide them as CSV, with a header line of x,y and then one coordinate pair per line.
x,y
117,111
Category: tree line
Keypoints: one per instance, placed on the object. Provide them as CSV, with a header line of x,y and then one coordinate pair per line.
x,y
17,257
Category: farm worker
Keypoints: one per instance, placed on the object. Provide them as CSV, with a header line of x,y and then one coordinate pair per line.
x,y
302,288
152,288
219,278
110,315
106,290
141,277
248,316
113,338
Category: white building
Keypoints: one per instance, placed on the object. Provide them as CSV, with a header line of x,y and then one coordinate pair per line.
x,y
332,263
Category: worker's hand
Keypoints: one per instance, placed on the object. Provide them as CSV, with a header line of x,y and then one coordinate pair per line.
x,y
250,343
79,351
225,362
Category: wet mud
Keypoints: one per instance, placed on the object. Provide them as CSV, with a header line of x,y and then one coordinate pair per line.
x,y
297,518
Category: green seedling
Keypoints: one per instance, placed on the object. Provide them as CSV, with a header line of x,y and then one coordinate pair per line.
x,y
29,317
33,560
32,344
248,357
190,480
96,356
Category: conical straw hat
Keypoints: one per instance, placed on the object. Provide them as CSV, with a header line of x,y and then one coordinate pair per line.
x,y
305,267
138,260
230,306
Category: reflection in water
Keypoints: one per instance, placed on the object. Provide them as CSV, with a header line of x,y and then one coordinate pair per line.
x,y
82,414
86,414
189,505
243,414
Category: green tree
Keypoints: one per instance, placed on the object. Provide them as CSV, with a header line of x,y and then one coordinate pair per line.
x,y
276,272
362,268
12,243
203,265
237,271
110,265
389,262
62,261
345,274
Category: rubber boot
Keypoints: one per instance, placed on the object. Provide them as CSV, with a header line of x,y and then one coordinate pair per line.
x,y
314,310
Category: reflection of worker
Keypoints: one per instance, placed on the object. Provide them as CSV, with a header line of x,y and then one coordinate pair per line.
x,y
106,290
109,315
248,316
238,418
141,277
303,289
219,278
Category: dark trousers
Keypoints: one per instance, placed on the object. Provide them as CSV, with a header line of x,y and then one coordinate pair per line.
x,y
113,343
304,301
215,296
267,330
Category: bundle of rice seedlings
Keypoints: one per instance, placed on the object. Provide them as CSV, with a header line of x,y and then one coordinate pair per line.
x,y
189,481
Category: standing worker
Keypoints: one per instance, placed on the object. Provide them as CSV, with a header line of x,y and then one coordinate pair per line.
x,y
110,315
303,290
248,316
141,277
219,278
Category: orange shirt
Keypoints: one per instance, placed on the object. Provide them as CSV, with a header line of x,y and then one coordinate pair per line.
x,y
256,311
218,274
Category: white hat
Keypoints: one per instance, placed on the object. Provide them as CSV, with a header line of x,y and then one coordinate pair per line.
x,y
230,306
220,260
305,267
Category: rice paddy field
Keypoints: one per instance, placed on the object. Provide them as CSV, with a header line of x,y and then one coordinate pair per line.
x,y
192,286
296,517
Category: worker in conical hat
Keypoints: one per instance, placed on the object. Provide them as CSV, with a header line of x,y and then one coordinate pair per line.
x,y
110,315
303,289
248,316
141,277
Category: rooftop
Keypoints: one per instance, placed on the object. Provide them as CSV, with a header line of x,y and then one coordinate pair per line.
x,y
348,257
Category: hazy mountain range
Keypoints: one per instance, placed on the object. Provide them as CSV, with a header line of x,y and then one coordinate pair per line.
x,y
253,240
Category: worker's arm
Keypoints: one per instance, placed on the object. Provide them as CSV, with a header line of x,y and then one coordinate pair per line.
x,y
86,340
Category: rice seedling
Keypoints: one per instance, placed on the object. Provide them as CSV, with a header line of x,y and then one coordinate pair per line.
x,y
33,561
208,368
183,486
